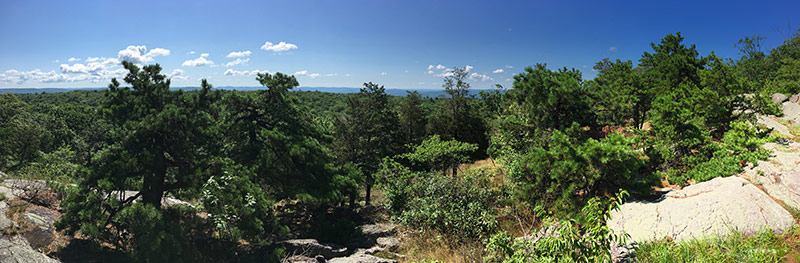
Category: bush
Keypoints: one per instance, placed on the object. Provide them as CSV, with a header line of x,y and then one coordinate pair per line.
x,y
587,239
564,172
741,144
155,235
461,207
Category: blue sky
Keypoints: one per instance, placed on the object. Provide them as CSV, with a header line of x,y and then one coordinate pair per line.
x,y
399,44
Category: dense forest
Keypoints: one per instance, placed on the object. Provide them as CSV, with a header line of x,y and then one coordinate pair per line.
x,y
461,173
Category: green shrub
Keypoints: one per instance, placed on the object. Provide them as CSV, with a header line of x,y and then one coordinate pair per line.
x,y
459,207
587,239
741,144
566,171
156,235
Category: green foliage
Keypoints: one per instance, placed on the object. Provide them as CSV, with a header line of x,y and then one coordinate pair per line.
x,y
162,145
413,118
566,171
619,94
237,208
552,99
456,117
396,182
587,239
441,155
154,236
741,144
266,132
367,133
458,207
765,246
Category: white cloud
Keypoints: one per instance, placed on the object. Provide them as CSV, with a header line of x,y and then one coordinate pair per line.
x,y
497,71
509,67
237,62
383,73
280,47
437,67
468,68
138,54
481,77
612,49
190,52
19,77
73,59
301,73
347,75
238,54
201,61
177,74
331,74
313,75
231,72
92,59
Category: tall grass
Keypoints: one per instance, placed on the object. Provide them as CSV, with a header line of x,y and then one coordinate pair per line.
x,y
765,246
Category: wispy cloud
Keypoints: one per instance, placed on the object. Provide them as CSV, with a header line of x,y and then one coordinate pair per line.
x,y
231,72
612,49
238,54
237,62
481,77
280,47
498,71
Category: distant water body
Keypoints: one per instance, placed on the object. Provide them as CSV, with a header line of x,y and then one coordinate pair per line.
x,y
393,92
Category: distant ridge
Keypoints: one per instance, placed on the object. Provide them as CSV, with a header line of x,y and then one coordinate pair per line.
x,y
393,92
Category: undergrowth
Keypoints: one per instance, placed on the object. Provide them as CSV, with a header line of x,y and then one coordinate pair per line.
x,y
765,246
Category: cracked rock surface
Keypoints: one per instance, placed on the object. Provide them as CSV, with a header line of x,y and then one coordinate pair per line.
x,y
714,207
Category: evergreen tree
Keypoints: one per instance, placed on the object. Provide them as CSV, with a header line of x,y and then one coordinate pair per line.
x,y
412,118
458,119
368,132
162,145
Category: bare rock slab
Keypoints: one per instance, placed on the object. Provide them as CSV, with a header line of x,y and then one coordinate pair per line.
x,y
716,207
14,250
361,258
312,248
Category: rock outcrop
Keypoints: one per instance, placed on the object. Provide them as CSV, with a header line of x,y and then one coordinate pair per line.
x,y
15,249
361,258
312,248
715,207
778,98
780,176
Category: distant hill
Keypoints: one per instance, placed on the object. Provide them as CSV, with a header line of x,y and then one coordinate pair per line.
x,y
393,92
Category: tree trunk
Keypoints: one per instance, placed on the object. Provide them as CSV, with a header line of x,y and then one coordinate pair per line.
x,y
153,187
369,191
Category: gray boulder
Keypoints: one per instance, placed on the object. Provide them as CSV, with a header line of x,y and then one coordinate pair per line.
x,y
40,236
312,247
389,243
795,98
715,207
778,98
371,232
15,250
4,221
361,258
